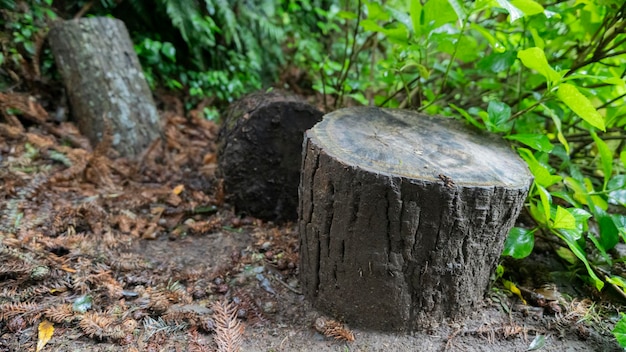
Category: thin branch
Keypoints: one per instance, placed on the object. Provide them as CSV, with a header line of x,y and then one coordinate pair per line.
x,y
352,53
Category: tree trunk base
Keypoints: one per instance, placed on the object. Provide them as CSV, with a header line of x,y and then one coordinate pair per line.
x,y
260,153
105,84
403,217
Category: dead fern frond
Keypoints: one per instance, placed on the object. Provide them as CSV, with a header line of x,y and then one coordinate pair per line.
x,y
153,326
196,343
79,159
86,216
96,324
334,329
254,314
62,313
26,104
128,262
13,216
228,330
30,311
21,293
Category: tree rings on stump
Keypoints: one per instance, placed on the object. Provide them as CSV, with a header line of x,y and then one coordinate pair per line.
x,y
260,153
403,216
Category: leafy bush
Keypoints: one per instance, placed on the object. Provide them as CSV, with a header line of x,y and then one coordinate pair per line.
x,y
550,79
20,54
228,47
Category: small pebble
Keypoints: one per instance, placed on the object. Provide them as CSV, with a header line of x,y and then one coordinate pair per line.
x,y
242,313
269,307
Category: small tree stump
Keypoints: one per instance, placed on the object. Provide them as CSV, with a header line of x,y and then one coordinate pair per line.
x,y
402,216
260,153
104,82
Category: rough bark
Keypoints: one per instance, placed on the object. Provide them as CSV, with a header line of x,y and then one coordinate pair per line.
x,y
403,217
105,83
260,153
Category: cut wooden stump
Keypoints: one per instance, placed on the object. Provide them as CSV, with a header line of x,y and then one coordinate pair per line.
x,y
104,82
403,217
260,153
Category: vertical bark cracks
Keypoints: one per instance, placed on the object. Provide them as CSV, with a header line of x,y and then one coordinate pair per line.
x,y
392,253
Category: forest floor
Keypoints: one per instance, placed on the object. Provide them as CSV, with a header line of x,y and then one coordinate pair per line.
x,y
106,254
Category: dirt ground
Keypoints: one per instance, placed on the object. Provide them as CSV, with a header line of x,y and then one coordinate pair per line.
x,y
286,320
107,254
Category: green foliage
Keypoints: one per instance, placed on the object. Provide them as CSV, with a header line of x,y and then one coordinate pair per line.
x,y
26,26
620,331
229,47
549,77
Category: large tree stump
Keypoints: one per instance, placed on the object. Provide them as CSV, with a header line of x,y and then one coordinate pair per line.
x,y
260,153
402,216
104,82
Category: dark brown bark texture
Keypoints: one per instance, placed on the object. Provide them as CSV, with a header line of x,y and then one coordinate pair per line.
x,y
105,83
403,217
260,153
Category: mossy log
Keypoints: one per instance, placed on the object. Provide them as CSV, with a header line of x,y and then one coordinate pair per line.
x,y
260,153
105,83
403,216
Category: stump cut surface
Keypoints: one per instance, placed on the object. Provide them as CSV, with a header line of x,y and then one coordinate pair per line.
x,y
402,216
395,142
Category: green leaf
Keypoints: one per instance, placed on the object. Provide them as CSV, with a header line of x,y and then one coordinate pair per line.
x,y
543,177
580,194
539,142
520,242
564,219
535,59
458,8
606,158
375,11
566,255
609,234
580,254
539,43
401,17
499,271
498,115
557,124
415,11
579,103
371,26
495,44
622,157
82,304
619,331
514,12
424,73
169,51
617,281
538,342
566,197
594,200
348,15
529,7
398,35
438,12
467,116
498,62
546,200
617,190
